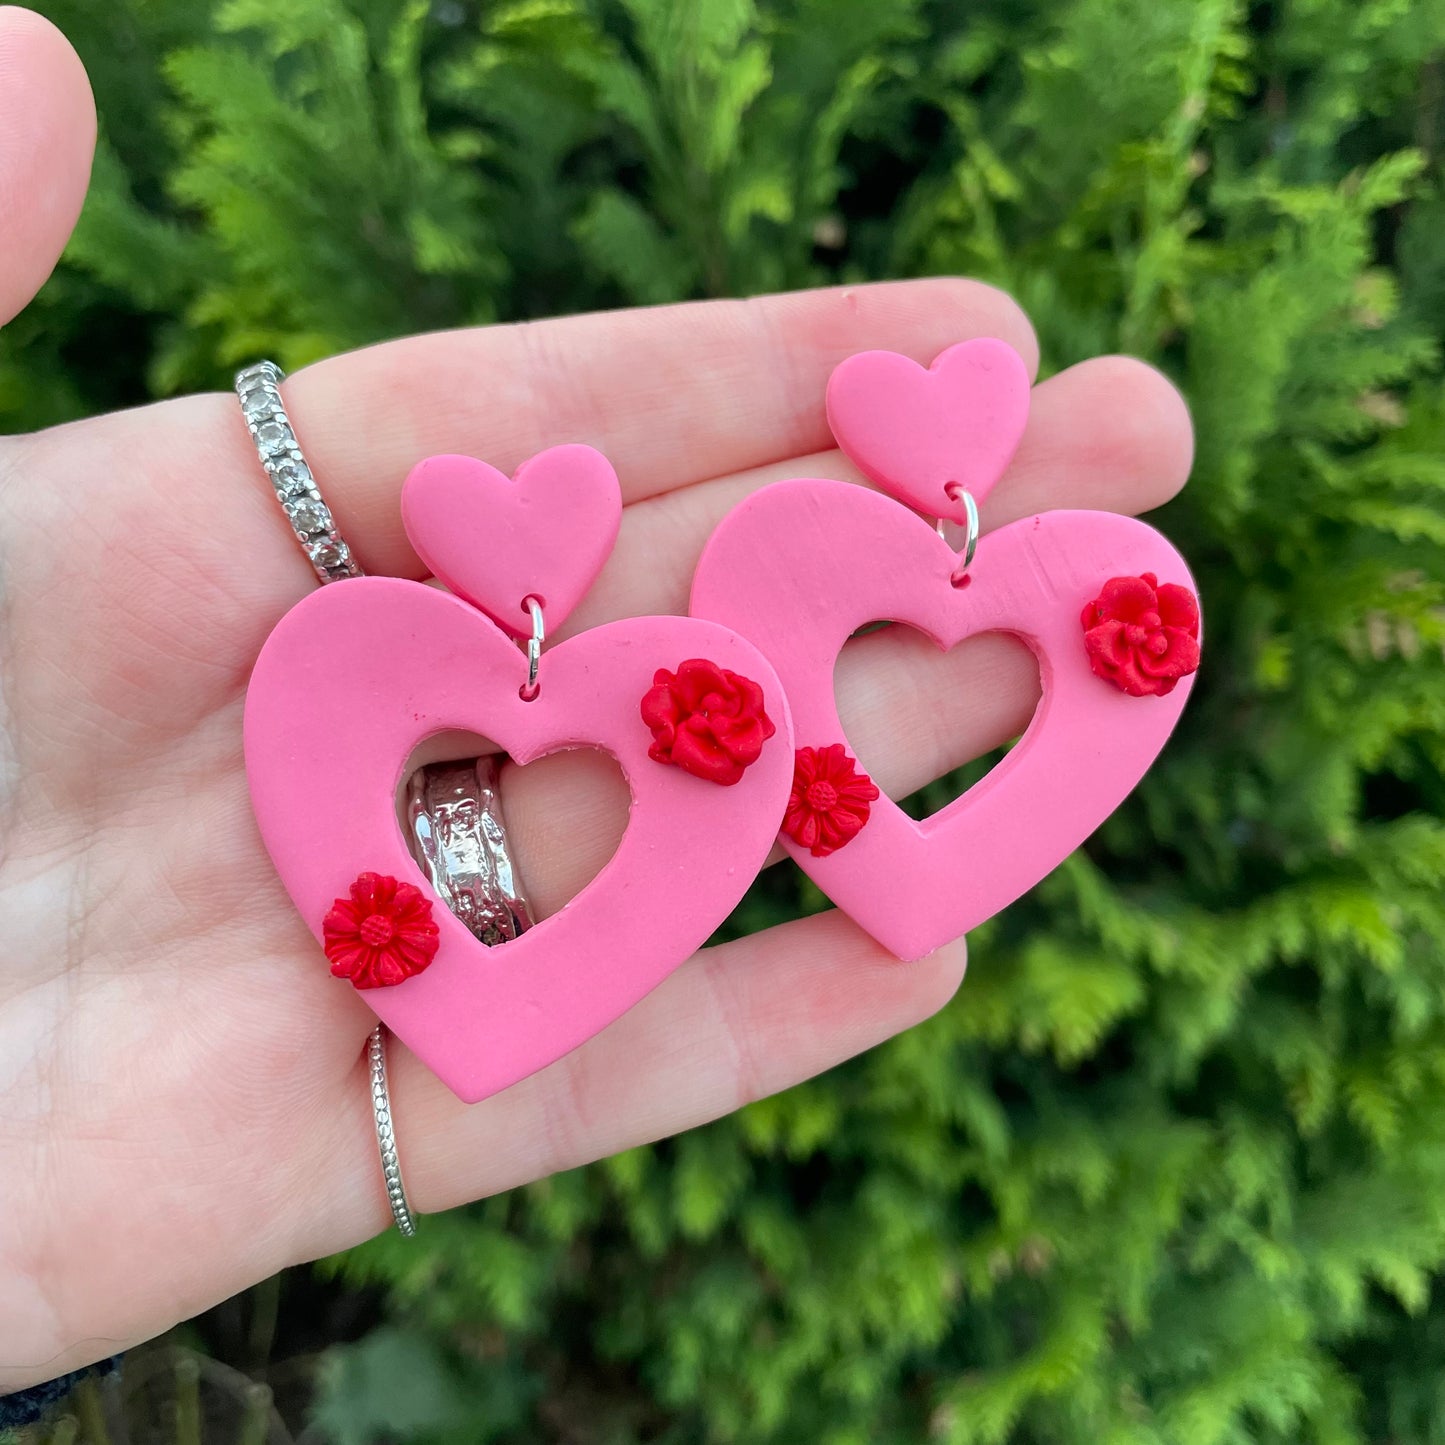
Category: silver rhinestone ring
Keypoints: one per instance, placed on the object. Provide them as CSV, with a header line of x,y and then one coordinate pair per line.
x,y
259,388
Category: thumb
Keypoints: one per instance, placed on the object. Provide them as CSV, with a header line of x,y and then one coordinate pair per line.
x,y
47,140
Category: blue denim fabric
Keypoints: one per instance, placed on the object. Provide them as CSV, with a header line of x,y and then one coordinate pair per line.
x,y
29,1405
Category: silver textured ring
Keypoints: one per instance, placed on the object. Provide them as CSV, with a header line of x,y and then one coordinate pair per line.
x,y
259,390
458,836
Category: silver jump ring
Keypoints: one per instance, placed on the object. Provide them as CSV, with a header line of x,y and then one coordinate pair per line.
x,y
534,649
972,530
259,389
970,543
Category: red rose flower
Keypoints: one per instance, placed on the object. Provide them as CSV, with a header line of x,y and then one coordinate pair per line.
x,y
1142,637
829,802
382,934
708,721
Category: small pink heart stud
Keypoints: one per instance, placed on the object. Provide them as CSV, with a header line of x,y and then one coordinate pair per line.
x,y
545,533
928,434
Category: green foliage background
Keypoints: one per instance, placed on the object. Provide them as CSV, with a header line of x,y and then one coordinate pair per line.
x,y
1172,1166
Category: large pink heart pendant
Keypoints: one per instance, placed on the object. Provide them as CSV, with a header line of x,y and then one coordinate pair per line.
x,y
801,565
358,674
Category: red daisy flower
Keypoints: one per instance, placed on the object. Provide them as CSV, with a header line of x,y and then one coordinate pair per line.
x,y
829,802
382,935
706,720
1142,637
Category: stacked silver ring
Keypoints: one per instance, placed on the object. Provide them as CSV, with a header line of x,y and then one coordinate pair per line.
x,y
454,813
386,1134
259,388
454,809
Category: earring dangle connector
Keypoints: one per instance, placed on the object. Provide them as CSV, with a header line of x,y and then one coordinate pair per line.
x,y
957,493
532,687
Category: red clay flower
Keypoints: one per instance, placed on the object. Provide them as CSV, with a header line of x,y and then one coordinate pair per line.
x,y
1142,637
829,802
708,721
382,934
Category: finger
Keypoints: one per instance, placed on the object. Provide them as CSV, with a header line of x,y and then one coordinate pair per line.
x,y
735,1023
672,395
47,139
194,544
1111,434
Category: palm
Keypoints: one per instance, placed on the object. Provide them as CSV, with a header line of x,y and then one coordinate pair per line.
x,y
181,1093
164,1048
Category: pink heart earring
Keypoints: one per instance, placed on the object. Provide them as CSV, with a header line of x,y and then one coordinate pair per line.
x,y
1104,602
355,677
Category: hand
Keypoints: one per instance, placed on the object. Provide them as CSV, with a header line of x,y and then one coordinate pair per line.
x,y
183,1108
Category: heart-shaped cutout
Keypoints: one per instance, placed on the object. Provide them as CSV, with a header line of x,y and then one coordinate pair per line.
x,y
801,565
997,664
357,675
928,434
558,852
498,541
